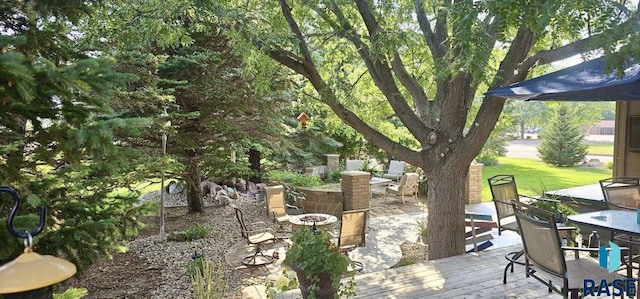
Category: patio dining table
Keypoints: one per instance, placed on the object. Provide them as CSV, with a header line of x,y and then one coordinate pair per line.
x,y
613,221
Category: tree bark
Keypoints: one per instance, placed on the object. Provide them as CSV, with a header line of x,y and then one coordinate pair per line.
x,y
254,164
445,219
193,179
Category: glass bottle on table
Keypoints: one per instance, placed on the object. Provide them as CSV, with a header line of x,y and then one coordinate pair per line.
x,y
594,242
579,240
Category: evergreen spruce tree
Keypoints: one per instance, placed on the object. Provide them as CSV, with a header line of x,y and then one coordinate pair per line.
x,y
561,143
56,135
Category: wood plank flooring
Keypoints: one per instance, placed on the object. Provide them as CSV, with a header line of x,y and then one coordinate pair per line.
x,y
467,276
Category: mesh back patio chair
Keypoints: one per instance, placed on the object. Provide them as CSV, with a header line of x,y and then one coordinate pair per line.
x,y
408,186
622,193
395,171
351,165
545,258
257,237
504,191
352,234
277,207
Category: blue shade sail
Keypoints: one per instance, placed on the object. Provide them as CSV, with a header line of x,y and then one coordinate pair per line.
x,y
586,81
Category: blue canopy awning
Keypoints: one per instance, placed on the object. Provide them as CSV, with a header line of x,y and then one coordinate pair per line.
x,y
586,81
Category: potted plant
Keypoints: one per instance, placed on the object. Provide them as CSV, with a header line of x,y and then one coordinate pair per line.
x,y
319,265
422,230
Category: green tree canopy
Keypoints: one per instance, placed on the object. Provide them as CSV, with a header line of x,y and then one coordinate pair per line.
x,y
425,61
57,132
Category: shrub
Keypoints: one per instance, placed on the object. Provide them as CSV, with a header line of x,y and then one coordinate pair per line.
x,y
333,177
288,280
406,261
72,293
196,232
487,160
293,178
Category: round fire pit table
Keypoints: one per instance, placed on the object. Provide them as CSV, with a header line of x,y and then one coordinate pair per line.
x,y
324,222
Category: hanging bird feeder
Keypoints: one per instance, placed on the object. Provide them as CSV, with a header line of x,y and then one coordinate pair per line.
x,y
31,275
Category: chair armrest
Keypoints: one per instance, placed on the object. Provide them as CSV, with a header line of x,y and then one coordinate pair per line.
x,y
566,228
501,201
259,223
293,207
272,215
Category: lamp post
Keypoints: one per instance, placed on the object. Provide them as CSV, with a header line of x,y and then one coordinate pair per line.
x,y
166,125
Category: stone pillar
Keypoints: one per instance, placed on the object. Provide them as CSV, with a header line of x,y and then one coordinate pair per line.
x,y
355,187
473,187
333,162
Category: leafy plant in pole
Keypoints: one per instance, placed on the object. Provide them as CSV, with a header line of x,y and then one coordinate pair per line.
x,y
561,143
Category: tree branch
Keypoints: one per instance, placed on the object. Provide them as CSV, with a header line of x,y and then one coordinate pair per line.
x,y
436,48
286,11
414,88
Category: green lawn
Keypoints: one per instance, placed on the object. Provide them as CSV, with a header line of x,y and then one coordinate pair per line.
x,y
532,176
600,148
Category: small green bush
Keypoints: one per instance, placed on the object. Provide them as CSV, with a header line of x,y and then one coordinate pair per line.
x,y
406,261
288,280
293,178
333,177
72,293
195,265
487,160
196,232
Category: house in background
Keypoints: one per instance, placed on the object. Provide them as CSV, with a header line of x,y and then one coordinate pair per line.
x,y
604,127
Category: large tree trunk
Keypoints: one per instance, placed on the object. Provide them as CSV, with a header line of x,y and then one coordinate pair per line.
x,y
254,164
192,180
445,204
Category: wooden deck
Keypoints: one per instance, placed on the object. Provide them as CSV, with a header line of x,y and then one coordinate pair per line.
x,y
466,276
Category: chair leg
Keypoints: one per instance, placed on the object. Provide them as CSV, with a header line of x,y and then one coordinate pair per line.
x,y
252,260
357,266
512,257
282,230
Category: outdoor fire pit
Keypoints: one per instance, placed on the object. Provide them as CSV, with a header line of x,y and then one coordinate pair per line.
x,y
322,221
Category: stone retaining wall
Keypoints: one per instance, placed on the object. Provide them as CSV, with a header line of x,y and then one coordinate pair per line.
x,y
328,201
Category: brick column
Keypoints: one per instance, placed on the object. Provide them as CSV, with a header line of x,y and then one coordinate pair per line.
x,y
355,187
333,162
473,187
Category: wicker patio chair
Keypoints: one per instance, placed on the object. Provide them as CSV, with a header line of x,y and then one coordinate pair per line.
x,y
408,186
